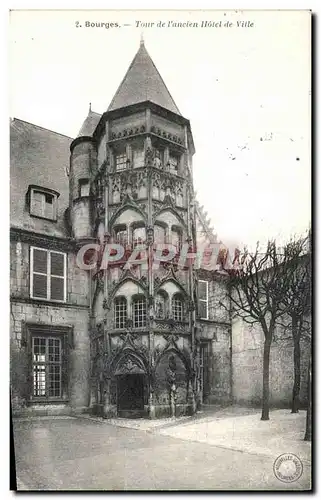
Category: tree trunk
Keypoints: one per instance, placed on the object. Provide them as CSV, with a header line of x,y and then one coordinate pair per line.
x,y
308,428
297,366
266,379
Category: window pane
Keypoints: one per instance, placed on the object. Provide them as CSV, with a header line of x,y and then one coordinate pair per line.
x,y
121,237
57,288
39,286
49,211
39,350
177,309
57,264
202,309
54,350
139,236
121,161
120,313
175,238
37,203
202,290
139,309
138,158
54,381
84,188
159,234
46,376
39,380
40,261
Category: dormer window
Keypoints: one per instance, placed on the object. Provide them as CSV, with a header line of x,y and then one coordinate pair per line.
x,y
43,202
121,161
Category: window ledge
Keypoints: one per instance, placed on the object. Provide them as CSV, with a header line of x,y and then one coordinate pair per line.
x,y
43,402
43,218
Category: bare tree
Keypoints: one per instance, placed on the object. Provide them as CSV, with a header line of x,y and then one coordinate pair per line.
x,y
297,303
256,289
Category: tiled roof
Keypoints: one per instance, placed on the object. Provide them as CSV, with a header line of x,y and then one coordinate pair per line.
x,y
37,156
90,124
143,82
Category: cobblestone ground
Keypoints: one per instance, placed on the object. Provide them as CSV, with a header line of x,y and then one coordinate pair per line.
x,y
82,454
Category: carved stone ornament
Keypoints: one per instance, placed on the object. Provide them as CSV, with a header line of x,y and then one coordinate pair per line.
x,y
130,366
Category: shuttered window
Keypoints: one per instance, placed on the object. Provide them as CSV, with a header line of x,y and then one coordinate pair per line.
x,y
47,274
43,204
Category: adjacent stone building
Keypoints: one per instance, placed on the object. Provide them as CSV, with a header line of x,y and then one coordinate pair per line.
x,y
147,338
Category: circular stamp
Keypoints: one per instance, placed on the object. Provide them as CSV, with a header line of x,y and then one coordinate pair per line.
x,y
288,468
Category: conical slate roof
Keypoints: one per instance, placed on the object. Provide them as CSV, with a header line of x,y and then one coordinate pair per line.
x,y
143,82
90,123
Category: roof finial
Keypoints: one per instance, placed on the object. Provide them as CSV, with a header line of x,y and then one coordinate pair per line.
x,y
141,39
89,106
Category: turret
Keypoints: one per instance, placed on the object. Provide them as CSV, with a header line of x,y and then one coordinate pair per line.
x,y
83,158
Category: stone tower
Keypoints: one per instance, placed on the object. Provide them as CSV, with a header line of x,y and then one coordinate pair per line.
x,y
131,184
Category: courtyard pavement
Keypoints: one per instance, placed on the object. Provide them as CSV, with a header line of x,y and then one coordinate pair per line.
x,y
210,452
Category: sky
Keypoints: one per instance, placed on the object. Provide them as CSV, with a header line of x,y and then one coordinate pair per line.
x,y
245,90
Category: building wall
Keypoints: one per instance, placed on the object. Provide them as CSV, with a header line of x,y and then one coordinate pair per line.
x,y
25,311
217,332
247,355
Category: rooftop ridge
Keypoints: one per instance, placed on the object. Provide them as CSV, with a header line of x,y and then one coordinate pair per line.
x,y
39,126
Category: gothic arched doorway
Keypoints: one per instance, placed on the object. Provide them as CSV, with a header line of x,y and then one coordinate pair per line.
x,y
131,381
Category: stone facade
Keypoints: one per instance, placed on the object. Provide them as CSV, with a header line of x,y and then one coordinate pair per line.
x,y
142,339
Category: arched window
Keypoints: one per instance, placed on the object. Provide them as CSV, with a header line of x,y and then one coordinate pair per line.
x,y
160,305
121,235
159,234
177,308
139,236
176,237
139,311
120,312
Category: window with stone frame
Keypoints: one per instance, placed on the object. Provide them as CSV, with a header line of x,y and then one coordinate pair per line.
x,y
120,312
177,307
203,299
159,234
48,274
84,187
48,351
121,160
161,305
173,161
121,235
138,157
46,367
139,236
176,237
43,203
139,311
